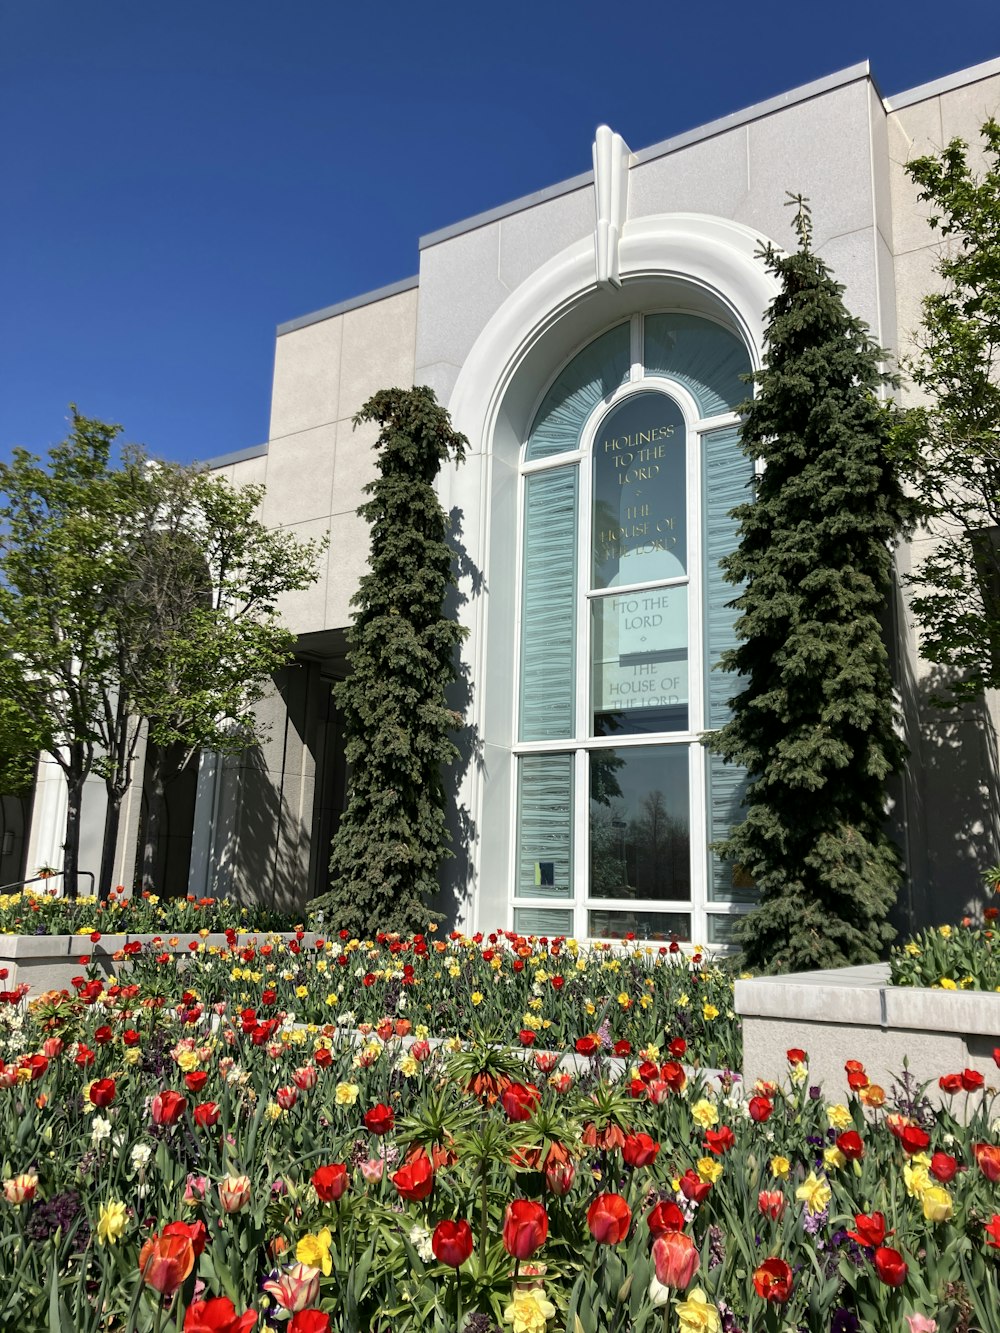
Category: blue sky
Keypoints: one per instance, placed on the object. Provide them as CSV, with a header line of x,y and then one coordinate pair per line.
x,y
178,179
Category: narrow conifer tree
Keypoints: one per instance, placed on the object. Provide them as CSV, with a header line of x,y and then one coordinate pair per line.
x,y
398,726
815,722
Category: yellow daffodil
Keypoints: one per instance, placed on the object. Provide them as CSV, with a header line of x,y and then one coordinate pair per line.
x,y
814,1192
704,1114
697,1314
529,1311
709,1011
839,1117
833,1158
314,1250
110,1223
346,1094
709,1169
917,1178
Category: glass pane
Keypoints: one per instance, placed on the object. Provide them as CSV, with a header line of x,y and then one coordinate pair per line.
x,y
727,476
641,924
639,531
706,358
640,823
727,785
542,921
593,374
639,663
721,929
545,826
548,621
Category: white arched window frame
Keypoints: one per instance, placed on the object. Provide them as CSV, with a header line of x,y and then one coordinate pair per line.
x,y
551,855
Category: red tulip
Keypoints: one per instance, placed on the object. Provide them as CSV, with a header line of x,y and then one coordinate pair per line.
x,y
196,1080
987,1157
609,1218
678,1048
890,1266
858,1080
950,1083
943,1166
870,1230
972,1080
992,1229
666,1216
772,1204
525,1226
761,1109
527,1037
519,1100
913,1138
415,1180
206,1114
196,1232
166,1108
693,1187
217,1316
676,1258
587,1046
102,1093
639,1150
165,1262
452,1243
380,1119
772,1281
851,1145
796,1056
331,1181
719,1140
324,1058
309,1321
286,1097
673,1075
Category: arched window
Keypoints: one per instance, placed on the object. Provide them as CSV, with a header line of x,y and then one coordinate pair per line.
x,y
628,474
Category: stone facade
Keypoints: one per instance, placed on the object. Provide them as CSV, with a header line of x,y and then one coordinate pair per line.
x,y
501,304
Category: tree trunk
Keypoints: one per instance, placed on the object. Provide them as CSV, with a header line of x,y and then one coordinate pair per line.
x,y
155,810
110,847
71,847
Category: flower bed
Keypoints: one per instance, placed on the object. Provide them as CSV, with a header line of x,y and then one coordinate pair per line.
x,y
964,957
172,1159
36,913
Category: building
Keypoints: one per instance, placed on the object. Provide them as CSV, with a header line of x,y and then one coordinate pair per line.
x,y
590,341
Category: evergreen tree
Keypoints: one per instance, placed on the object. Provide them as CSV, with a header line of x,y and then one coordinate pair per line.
x,y
815,722
398,726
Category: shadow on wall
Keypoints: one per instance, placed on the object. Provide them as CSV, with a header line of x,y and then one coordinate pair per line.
x,y
457,871
261,846
955,831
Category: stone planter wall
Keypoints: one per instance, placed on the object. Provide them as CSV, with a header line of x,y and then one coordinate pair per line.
x,y
853,1013
49,962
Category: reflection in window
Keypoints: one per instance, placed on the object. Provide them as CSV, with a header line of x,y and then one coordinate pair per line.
x,y
640,827
642,924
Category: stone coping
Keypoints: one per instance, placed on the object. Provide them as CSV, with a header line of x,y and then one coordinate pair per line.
x,y
862,996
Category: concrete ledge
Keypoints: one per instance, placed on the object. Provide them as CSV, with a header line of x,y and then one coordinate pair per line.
x,y
854,1014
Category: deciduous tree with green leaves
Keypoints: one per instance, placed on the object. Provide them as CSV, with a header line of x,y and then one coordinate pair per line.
x,y
403,649
950,444
137,597
814,722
